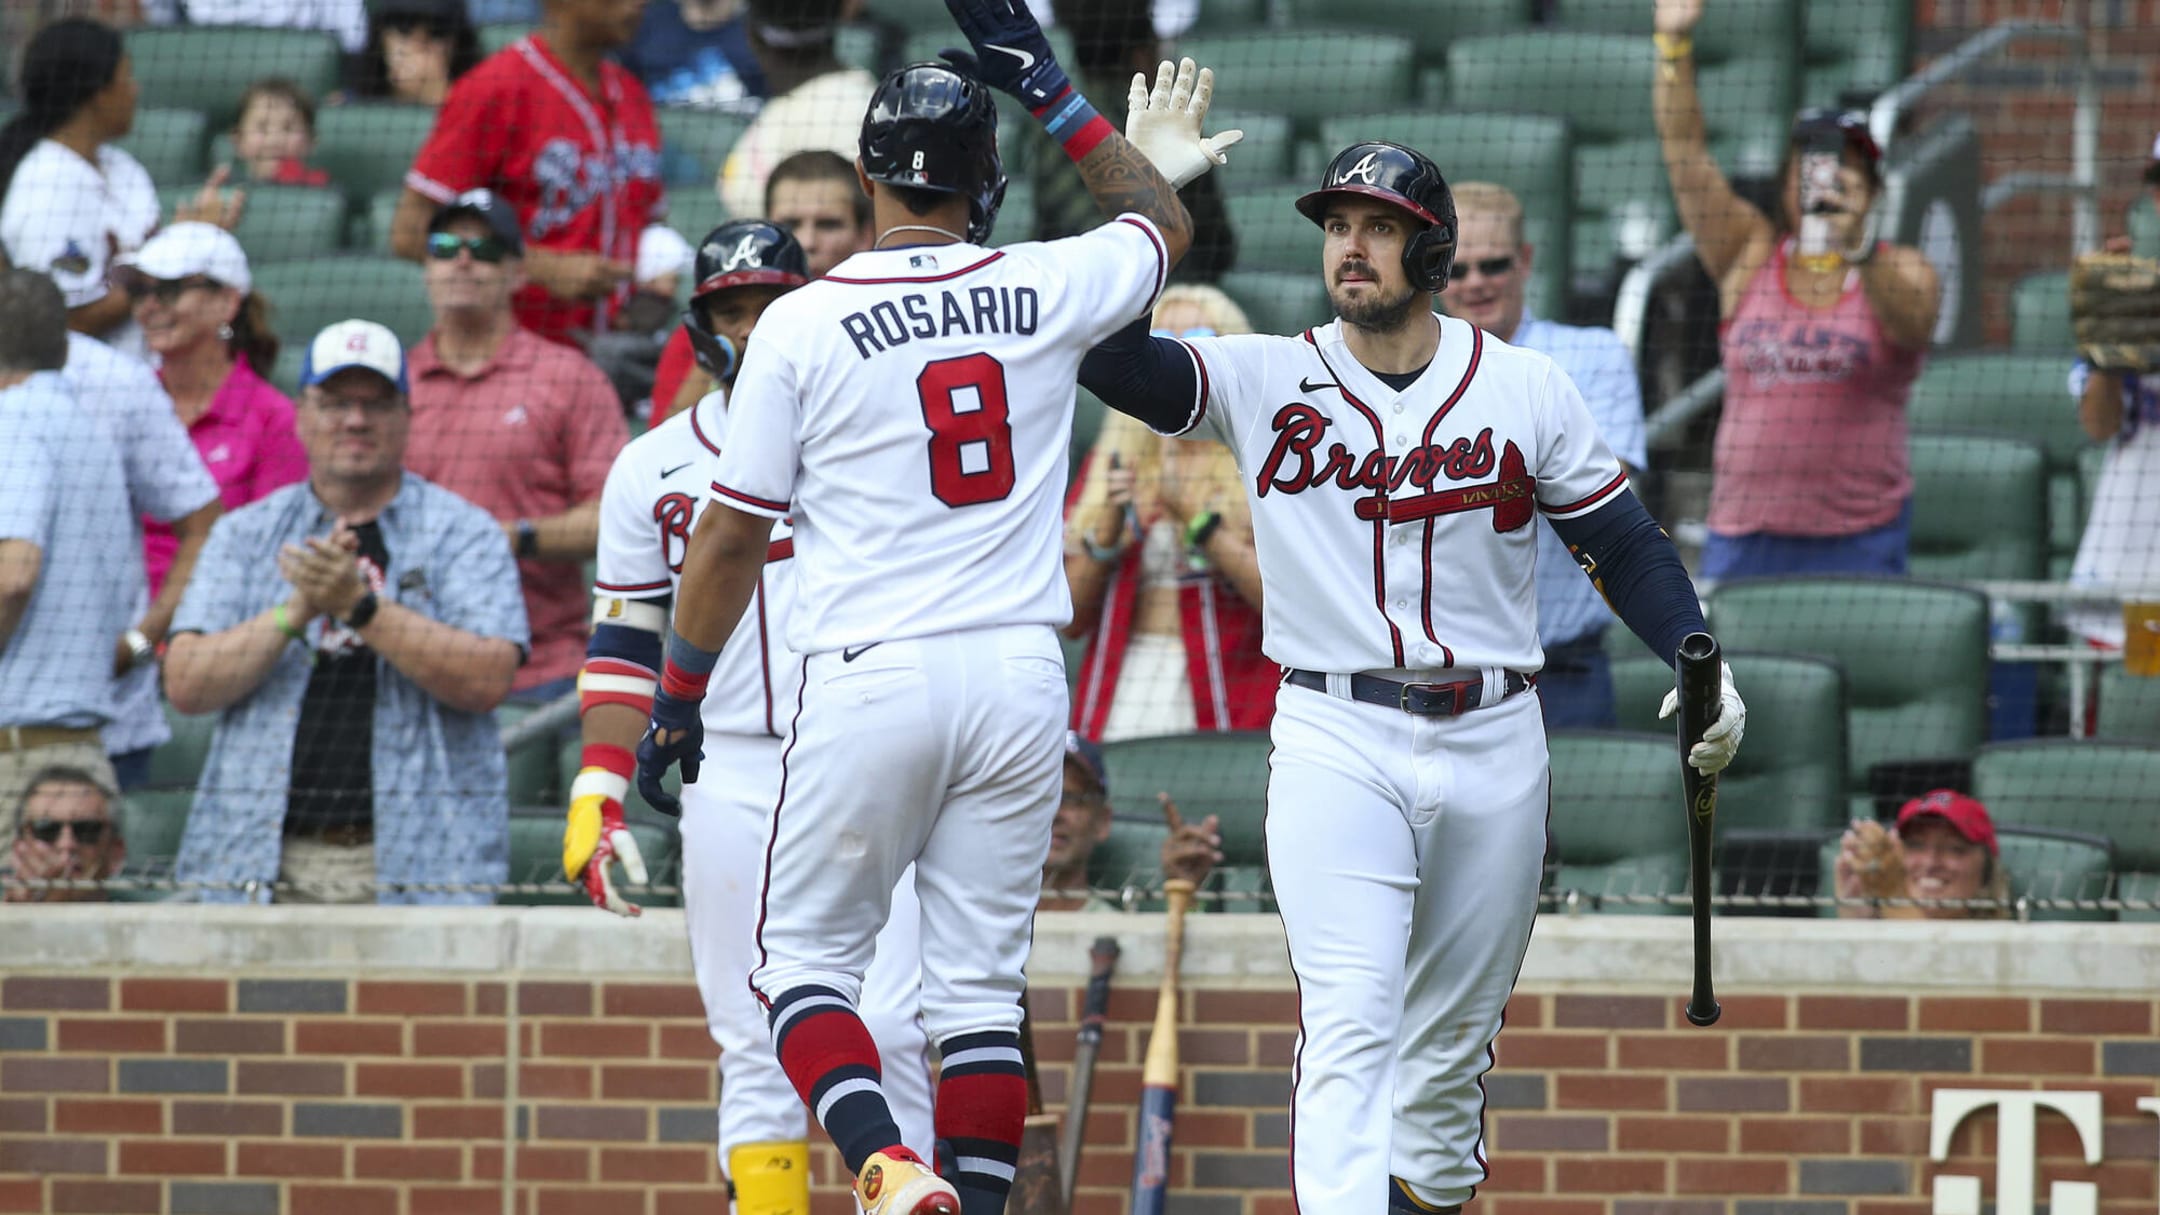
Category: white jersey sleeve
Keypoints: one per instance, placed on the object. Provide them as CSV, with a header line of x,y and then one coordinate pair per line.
x,y
758,468
1111,274
1576,473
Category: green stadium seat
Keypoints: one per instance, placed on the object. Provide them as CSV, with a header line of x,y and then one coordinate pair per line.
x,y
1016,215
1310,75
2129,706
370,229
1232,16
2144,224
1264,158
152,822
1132,857
207,67
1272,233
1281,301
2074,784
567,758
367,148
1790,774
695,212
1979,508
280,223
1088,414
308,296
532,766
178,762
1223,774
496,36
2138,887
536,856
1528,154
1854,47
912,15
697,142
1615,822
1747,51
2040,314
2023,396
1623,205
1432,85
2042,864
1464,19
169,143
1915,657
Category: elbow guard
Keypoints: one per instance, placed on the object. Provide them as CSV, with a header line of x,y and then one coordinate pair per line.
x,y
622,660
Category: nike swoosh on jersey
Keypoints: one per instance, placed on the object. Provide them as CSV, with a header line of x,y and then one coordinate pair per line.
x,y
1026,60
1305,385
665,473
858,651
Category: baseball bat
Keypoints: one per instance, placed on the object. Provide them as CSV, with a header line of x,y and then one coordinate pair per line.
x,y
1035,1175
1102,960
1159,1076
1698,667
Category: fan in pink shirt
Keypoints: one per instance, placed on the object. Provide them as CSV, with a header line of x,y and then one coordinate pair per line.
x,y
193,297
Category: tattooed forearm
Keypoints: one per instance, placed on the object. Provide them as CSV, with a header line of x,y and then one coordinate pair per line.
x,y
1120,179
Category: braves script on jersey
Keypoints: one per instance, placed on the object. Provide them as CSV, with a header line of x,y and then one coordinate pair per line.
x,y
917,418
1394,529
647,512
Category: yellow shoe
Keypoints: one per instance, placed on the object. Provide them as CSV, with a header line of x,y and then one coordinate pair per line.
x,y
898,1183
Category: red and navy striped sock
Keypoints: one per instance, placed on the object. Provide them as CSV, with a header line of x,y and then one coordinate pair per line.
x,y
829,1056
981,1110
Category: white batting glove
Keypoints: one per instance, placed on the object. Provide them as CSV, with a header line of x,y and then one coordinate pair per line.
x,y
1722,739
1165,124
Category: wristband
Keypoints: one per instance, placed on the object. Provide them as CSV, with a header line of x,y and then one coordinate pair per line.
x,y
140,650
687,670
603,769
528,539
1107,554
1202,529
363,611
1074,123
1672,48
283,621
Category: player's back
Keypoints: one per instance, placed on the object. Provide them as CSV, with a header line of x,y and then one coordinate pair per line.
x,y
924,397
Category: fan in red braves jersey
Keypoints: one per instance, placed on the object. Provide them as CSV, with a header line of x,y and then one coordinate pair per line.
x,y
567,137
1396,462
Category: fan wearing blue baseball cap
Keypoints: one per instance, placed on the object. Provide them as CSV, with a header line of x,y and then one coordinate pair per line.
x,y
354,632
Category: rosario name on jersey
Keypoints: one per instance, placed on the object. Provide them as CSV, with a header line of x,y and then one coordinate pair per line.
x,y
647,512
1395,531
915,423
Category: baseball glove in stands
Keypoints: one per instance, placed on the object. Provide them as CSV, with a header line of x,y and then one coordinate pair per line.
x,y
2115,311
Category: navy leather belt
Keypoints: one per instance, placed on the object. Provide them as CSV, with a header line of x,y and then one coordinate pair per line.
x,y
1452,699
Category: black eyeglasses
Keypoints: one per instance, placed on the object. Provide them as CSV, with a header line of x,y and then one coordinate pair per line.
x,y
444,246
1491,267
165,291
47,830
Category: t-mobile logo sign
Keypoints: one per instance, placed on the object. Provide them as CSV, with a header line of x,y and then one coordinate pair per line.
x,y
2015,1114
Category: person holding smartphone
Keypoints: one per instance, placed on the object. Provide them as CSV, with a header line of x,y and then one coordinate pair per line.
x,y
1823,330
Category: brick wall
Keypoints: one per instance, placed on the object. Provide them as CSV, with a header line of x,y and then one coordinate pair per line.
x,y
392,1090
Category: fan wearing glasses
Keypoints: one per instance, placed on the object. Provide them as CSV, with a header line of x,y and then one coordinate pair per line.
x,y
66,832
1486,287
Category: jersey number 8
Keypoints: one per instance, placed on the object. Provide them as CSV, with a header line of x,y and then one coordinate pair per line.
x,y
971,455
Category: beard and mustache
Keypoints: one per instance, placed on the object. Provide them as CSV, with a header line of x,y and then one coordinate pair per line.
x,y
1377,312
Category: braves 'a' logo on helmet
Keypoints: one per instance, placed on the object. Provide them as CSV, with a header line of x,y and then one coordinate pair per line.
x,y
1366,170
747,253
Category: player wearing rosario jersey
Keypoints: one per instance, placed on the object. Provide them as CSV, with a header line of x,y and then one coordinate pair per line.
x,y
915,426
1396,462
646,512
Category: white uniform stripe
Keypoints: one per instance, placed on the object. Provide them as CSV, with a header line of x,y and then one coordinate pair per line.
x,y
845,1088
629,613
983,1054
983,1165
591,682
802,1008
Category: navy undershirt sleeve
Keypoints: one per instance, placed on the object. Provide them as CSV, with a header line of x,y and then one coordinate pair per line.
x,y
1149,378
1634,564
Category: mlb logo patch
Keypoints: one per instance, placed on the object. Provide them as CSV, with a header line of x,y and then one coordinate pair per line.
x,y
922,261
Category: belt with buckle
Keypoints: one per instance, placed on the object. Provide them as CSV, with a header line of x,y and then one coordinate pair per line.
x,y
1451,699
26,738
344,835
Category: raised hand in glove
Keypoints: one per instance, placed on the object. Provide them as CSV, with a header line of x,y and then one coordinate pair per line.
x,y
676,736
2115,311
1722,739
595,838
1165,123
1011,54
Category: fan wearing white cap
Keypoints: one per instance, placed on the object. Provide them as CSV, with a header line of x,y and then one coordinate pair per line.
x,y
358,628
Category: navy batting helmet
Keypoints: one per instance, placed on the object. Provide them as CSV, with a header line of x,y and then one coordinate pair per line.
x,y
931,128
1409,179
741,253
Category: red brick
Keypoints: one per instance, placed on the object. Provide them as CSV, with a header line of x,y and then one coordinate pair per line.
x,y
684,1165
589,1123
595,1040
1605,1175
555,999
1523,1011
406,999
1731,1093
1215,1047
686,1042
1795,1053
1531,1133
403,1163
56,993
465,1039
283,1158
408,1080
2036,1056
487,1081
1545,1206
490,999
652,1000
22,1194
1275,1049
536,1163
1205,1128
351,1199
1599,1091
550,1200
1856,1094
1854,1012
627,1082
82,1117
1734,1176
25,1075
1506,1174
1741,1012
345,1036
1640,1134
2103,1017
555,1081
1608,1012
25,1115
227,1118
1248,1007
460,1200
289,1079
73,1197
1688,1052
173,1157
176,995
252,1036
690,1202
457,1122
47,1155
1539,1051
1899,1136
116,1035
1974,1014
1797,1136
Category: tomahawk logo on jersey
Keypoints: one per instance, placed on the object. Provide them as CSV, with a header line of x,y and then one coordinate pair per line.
x,y
647,512
1422,498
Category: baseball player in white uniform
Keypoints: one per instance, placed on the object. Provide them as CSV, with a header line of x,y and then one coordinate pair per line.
x,y
1396,462
646,514
915,426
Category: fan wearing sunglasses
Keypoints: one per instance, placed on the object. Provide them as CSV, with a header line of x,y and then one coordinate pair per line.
x,y
66,832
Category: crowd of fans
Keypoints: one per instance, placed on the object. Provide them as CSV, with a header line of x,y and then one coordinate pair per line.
x,y
355,579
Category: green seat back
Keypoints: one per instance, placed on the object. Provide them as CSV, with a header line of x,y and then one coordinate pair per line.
x,y
1599,83
280,223
1748,52
2043,864
2014,395
1264,158
2109,788
1308,74
694,212
2142,888
1616,822
497,35
536,857
1223,774
380,215
169,143
911,14
566,761
152,822
2144,224
1854,46
1915,657
1527,153
1790,773
1979,508
1464,18
1272,233
1281,301
2129,706
307,296
2040,314
178,762
697,142
1016,215
1131,857
532,766
208,67
1230,16
367,148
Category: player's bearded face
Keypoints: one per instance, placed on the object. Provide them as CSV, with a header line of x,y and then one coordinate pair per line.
x,y
1362,259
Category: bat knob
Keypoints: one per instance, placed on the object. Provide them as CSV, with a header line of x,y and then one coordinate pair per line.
x,y
1699,1016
